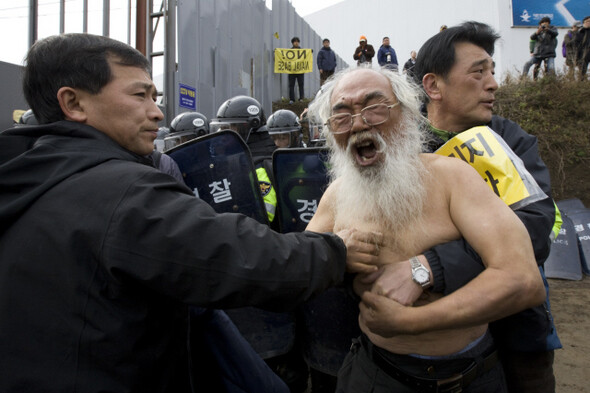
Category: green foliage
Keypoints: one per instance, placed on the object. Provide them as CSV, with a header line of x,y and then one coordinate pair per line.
x,y
557,111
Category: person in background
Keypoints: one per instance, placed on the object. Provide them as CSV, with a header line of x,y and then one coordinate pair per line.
x,y
546,38
386,55
570,50
326,60
409,65
583,44
364,53
295,77
533,60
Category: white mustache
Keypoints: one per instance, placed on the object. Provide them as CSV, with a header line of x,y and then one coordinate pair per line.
x,y
375,136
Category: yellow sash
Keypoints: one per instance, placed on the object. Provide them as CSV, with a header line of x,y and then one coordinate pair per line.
x,y
497,164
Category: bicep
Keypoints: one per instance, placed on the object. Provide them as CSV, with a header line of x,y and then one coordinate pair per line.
x,y
486,222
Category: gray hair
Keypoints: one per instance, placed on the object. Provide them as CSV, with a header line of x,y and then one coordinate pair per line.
x,y
407,93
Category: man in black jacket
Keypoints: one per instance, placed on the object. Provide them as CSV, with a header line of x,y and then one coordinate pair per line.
x,y
326,61
546,42
456,70
583,45
102,254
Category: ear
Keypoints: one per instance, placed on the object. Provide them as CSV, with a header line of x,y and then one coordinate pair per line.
x,y
69,102
432,84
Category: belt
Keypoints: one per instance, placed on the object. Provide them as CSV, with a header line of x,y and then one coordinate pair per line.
x,y
453,384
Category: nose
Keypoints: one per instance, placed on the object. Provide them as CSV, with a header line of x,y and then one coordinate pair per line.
x,y
155,112
358,123
491,83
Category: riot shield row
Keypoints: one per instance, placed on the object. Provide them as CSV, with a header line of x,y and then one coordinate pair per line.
x,y
219,170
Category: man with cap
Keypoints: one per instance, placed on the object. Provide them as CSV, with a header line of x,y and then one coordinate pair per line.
x,y
364,52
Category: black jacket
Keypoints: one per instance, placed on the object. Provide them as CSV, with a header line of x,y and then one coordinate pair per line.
x,y
326,59
546,42
455,263
583,44
364,55
100,254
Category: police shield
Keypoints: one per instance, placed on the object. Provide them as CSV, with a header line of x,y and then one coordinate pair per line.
x,y
564,258
219,169
328,323
301,177
581,220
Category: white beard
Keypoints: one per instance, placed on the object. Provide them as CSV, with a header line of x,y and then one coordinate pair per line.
x,y
389,193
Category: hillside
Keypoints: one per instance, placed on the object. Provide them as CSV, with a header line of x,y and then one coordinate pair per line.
x,y
557,111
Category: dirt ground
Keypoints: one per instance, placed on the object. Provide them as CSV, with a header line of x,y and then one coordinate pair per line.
x,y
570,305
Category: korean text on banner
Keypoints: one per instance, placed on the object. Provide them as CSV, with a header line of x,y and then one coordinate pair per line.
x,y
496,163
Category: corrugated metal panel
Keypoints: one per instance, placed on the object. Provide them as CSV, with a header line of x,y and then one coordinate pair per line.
x,y
225,48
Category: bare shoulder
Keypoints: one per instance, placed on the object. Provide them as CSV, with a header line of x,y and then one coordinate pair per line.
x,y
442,167
323,219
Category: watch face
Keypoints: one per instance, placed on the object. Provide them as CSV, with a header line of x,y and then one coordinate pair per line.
x,y
421,276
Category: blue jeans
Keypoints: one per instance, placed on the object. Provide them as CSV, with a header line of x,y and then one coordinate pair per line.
x,y
549,66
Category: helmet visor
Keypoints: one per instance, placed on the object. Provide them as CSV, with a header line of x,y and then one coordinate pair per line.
x,y
240,126
284,138
177,138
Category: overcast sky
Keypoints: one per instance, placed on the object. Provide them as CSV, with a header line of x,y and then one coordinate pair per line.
x,y
14,21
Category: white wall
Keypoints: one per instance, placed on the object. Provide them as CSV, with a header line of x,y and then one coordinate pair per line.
x,y
409,23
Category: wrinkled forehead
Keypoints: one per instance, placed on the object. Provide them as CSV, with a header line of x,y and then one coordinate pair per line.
x,y
358,87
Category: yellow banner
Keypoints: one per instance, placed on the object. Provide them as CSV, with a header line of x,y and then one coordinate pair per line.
x,y
480,148
293,61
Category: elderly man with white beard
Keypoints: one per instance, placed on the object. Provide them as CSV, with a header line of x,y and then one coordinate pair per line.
x,y
382,183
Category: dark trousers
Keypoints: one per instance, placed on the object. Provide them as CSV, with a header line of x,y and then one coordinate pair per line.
x,y
325,75
359,373
292,79
583,64
528,372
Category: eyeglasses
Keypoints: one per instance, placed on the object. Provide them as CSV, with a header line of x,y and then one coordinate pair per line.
x,y
372,115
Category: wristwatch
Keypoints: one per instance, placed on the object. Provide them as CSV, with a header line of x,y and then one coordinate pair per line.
x,y
420,274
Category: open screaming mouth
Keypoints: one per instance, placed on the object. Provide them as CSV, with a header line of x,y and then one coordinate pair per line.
x,y
365,151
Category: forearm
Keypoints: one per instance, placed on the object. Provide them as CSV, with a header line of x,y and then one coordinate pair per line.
x,y
494,294
453,265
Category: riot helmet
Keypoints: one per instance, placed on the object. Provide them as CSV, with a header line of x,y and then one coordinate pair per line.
x,y
241,114
28,118
184,127
159,141
284,128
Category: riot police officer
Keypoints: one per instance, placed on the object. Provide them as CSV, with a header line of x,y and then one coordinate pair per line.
x,y
285,129
270,334
184,127
245,116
